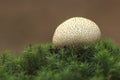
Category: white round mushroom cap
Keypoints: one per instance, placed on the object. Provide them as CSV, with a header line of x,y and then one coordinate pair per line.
x,y
76,31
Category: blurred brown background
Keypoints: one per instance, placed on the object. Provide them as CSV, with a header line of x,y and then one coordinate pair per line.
x,y
24,22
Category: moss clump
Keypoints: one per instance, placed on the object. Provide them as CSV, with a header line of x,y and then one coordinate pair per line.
x,y
100,61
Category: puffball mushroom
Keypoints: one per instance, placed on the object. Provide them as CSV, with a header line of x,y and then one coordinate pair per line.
x,y
76,31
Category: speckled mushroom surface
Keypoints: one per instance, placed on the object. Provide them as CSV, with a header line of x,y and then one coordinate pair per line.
x,y
76,31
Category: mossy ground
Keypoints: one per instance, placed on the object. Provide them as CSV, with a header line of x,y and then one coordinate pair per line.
x,y
100,61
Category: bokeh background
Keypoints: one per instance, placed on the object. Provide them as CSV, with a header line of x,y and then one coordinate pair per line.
x,y
24,22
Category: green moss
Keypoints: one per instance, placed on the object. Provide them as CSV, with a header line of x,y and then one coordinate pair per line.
x,y
99,61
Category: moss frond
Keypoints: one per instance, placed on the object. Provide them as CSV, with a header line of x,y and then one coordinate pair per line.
x,y
99,61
